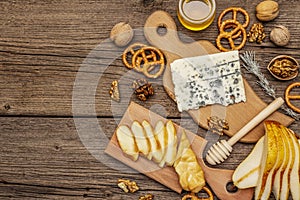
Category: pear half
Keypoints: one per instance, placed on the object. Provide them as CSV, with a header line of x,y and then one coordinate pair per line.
x,y
271,161
294,176
246,174
285,185
277,183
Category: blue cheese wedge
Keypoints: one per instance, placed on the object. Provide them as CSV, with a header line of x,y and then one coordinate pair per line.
x,y
206,80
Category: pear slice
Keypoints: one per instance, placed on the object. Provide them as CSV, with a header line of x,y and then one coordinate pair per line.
x,y
294,175
277,129
268,164
172,143
127,142
153,144
277,183
161,137
141,139
183,144
285,186
246,174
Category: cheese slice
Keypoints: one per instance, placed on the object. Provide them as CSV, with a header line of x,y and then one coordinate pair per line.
x,y
206,80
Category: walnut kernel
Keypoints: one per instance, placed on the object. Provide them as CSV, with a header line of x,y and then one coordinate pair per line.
x,y
284,67
146,197
114,91
128,186
143,89
257,33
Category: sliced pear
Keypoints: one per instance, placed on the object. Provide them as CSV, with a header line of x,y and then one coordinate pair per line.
x,y
141,139
285,186
153,144
277,183
183,144
161,137
170,155
127,142
276,129
294,175
269,158
190,173
246,174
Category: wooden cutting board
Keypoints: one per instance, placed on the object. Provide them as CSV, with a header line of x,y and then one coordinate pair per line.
x,y
167,175
237,115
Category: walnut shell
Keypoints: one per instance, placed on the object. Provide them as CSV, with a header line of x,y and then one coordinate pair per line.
x,y
280,35
121,34
283,67
267,10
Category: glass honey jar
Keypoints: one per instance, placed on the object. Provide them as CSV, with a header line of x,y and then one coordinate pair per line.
x,y
196,15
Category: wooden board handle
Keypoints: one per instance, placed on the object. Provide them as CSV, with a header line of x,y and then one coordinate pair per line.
x,y
160,19
169,41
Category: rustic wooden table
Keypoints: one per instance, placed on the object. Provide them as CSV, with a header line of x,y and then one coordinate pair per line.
x,y
43,46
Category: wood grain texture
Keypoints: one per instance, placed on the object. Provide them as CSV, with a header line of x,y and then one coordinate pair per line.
x,y
43,45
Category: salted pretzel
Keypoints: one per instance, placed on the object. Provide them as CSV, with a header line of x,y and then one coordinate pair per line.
x,y
129,52
230,35
235,11
193,196
289,97
148,59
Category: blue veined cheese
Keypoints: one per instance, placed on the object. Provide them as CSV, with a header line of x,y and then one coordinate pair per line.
x,y
206,80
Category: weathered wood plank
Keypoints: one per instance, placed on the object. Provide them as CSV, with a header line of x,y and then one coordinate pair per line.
x,y
43,44
39,66
45,158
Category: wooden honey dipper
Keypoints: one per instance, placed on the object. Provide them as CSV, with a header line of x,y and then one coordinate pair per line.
x,y
222,149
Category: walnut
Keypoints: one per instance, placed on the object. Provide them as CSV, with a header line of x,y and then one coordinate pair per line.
x,y
121,34
114,91
267,10
280,35
128,186
284,67
146,197
257,33
217,125
143,89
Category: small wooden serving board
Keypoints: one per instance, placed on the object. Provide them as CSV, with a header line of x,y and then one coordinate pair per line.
x,y
237,115
167,175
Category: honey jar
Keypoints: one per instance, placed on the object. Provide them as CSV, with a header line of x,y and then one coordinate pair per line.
x,y
196,15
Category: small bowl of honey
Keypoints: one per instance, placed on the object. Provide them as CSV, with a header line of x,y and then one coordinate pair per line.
x,y
196,15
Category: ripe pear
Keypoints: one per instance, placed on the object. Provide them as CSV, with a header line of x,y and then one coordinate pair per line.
x,y
277,183
269,162
294,176
246,174
285,185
